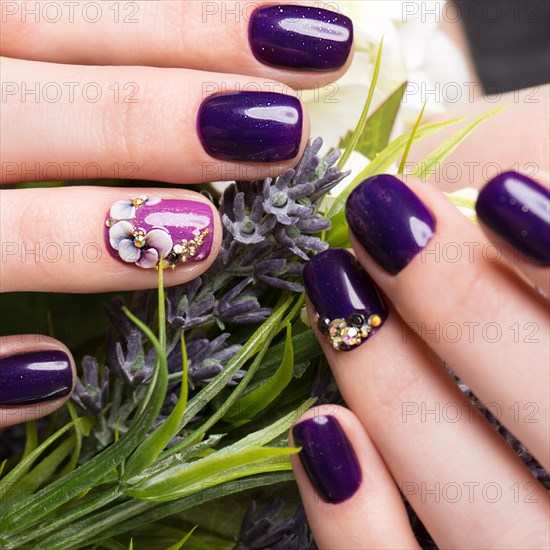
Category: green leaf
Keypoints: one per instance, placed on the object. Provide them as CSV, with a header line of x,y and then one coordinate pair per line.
x,y
403,162
358,132
180,543
338,235
127,516
151,448
263,334
376,133
80,431
258,399
211,471
51,497
386,158
426,167
26,463
42,471
31,440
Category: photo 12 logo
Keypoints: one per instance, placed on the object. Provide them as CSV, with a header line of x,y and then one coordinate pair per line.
x,y
70,11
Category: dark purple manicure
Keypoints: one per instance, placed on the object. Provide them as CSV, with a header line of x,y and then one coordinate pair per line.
x,y
150,231
328,458
34,377
389,220
348,307
517,209
300,37
251,126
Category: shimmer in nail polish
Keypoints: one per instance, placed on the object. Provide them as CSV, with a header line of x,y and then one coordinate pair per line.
x,y
251,126
328,458
348,307
149,231
389,221
34,377
517,209
300,37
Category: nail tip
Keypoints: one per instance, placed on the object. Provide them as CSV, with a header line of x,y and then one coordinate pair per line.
x,y
368,210
35,377
245,126
517,209
300,37
346,322
150,232
328,458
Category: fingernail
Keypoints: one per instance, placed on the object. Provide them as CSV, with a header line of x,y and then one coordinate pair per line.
x,y
34,377
300,37
251,126
348,307
149,231
389,221
328,458
517,209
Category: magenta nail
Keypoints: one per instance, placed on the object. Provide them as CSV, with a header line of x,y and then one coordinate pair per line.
x,y
149,231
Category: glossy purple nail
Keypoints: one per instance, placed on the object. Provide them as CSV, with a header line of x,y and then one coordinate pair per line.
x,y
348,307
328,458
34,377
389,220
251,126
300,37
517,209
149,231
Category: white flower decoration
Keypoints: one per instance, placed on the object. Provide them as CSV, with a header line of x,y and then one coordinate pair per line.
x,y
144,250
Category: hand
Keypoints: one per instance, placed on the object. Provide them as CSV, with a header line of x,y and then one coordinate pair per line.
x,y
448,293
165,91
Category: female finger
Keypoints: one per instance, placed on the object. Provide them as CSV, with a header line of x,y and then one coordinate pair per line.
x,y
100,239
300,45
348,493
73,122
453,467
472,310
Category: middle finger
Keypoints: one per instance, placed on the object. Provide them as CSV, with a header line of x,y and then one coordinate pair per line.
x,y
75,122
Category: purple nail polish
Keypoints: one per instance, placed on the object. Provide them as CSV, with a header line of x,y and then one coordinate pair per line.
x,y
149,231
389,220
348,307
517,209
251,126
34,377
328,458
300,37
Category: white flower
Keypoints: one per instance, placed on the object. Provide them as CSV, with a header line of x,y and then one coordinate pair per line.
x,y
144,250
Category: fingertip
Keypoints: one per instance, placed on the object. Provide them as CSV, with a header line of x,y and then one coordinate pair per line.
x,y
349,495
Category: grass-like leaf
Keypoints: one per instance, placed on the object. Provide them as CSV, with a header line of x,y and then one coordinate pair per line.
x,y
151,448
26,463
259,398
376,133
31,438
403,162
33,508
211,471
181,542
426,167
357,133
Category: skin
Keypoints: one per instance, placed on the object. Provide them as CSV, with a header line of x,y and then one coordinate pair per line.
x,y
170,69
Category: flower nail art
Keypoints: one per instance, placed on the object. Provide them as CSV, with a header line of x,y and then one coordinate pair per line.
x,y
151,232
